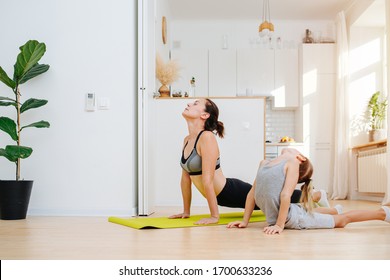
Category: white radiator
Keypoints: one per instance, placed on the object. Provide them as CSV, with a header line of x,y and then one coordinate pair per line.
x,y
372,170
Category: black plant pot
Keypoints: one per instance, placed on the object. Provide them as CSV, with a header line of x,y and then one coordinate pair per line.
x,y
14,199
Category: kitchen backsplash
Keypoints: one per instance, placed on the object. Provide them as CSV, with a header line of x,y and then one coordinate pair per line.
x,y
278,123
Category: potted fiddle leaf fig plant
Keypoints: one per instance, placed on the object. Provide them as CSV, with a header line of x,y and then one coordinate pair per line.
x,y
15,194
377,108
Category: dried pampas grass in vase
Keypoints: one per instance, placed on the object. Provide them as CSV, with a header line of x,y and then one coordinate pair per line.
x,y
166,73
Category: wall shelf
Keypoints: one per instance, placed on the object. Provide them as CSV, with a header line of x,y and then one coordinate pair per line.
x,y
371,145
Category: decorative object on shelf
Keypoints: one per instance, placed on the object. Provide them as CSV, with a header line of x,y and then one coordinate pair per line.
x,y
377,108
317,37
177,94
15,194
192,87
266,28
308,38
279,43
164,30
166,73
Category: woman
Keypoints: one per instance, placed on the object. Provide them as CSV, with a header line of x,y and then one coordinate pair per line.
x,y
273,187
201,164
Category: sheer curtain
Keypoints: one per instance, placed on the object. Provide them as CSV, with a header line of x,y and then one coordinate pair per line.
x,y
339,189
386,200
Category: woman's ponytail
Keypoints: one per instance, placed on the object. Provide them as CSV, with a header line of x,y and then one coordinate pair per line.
x,y
212,123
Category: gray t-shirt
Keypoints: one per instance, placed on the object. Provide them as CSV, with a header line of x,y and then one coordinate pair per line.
x,y
269,184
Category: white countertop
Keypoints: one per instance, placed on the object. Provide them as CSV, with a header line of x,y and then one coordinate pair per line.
x,y
285,144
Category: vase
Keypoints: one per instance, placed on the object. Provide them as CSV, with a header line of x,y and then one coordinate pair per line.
x,y
164,91
376,135
14,199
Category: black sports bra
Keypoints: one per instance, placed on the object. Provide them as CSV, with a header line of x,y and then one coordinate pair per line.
x,y
193,164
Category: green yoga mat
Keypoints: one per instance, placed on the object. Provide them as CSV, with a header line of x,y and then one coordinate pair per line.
x,y
164,222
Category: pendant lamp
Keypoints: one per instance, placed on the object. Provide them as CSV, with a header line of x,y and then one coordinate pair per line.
x,y
266,28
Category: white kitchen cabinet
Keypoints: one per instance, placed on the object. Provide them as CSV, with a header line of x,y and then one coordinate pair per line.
x,y
319,57
316,115
319,111
222,73
230,73
192,63
286,89
255,71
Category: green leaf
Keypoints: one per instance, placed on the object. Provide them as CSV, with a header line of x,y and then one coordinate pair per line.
x,y
15,152
6,80
6,98
9,126
13,102
32,103
30,54
36,70
41,124
3,153
7,103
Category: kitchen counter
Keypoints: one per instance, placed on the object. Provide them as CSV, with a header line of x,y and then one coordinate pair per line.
x,y
284,144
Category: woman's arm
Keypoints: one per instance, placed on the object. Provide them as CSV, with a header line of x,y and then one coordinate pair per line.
x,y
292,173
186,193
185,184
209,151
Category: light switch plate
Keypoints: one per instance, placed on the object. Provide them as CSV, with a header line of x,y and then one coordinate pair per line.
x,y
103,103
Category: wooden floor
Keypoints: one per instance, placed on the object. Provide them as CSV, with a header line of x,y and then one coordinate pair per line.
x,y
92,238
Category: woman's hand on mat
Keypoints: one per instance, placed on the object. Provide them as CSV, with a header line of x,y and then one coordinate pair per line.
x,y
207,221
239,224
180,216
273,229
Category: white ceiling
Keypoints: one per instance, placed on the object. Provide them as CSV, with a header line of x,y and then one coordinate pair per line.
x,y
280,10
253,9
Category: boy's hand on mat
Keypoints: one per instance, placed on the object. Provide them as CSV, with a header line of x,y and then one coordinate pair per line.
x,y
238,224
273,229
207,221
179,216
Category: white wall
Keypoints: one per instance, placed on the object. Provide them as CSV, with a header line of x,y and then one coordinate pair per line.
x,y
279,123
162,9
366,76
85,163
367,64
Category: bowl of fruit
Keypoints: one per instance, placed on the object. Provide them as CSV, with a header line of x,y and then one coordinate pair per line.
x,y
286,139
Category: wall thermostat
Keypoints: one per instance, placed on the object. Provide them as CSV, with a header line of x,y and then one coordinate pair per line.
x,y
90,102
